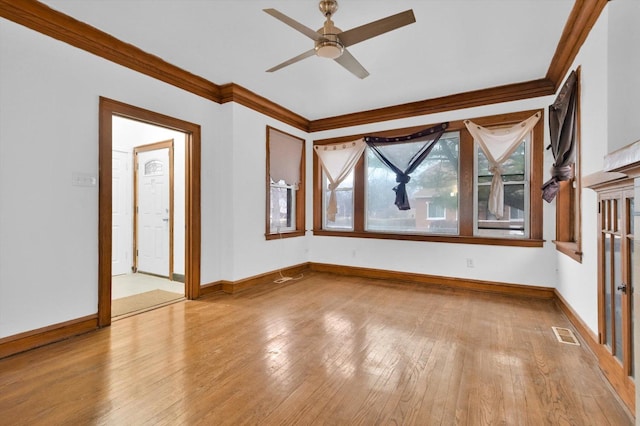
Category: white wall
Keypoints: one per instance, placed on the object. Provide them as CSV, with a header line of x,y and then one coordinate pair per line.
x,y
247,253
624,73
526,265
128,134
578,282
610,111
49,95
252,254
48,228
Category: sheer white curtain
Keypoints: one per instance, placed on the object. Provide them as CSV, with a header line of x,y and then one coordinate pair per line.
x,y
498,145
337,161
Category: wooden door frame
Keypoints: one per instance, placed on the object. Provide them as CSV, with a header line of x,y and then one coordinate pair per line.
x,y
146,148
107,109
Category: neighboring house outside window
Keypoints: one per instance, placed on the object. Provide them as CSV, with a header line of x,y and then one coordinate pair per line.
x,y
436,211
432,212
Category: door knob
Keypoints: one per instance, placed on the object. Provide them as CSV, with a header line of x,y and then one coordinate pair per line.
x,y
622,288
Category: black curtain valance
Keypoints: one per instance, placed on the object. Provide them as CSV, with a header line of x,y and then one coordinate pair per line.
x,y
402,167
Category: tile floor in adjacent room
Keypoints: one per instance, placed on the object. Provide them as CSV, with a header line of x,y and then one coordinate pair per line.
x,y
130,284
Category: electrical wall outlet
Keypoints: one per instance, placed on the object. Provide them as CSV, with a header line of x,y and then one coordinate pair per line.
x,y
469,262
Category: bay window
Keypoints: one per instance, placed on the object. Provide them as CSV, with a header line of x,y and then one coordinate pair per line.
x,y
448,193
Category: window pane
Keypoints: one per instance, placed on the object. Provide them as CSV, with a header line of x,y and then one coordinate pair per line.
x,y
574,212
433,188
436,211
631,217
282,209
285,178
631,302
344,200
515,215
153,168
513,168
513,219
607,291
617,282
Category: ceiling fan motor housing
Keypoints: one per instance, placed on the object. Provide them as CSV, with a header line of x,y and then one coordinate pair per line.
x,y
329,46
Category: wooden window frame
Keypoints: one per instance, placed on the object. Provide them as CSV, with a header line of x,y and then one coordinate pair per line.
x,y
465,191
569,200
300,194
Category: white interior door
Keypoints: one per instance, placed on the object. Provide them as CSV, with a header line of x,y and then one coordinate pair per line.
x,y
121,261
153,212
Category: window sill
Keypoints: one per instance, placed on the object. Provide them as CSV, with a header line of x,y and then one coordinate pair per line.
x,y
281,235
570,249
434,238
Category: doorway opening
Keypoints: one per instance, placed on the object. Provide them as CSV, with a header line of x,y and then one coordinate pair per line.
x,y
149,213
148,216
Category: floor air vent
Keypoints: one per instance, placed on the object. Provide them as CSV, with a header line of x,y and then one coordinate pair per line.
x,y
564,335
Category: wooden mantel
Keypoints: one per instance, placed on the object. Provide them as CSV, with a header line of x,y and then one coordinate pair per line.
x,y
621,164
625,160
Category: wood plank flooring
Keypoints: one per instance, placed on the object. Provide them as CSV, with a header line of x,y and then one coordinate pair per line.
x,y
323,350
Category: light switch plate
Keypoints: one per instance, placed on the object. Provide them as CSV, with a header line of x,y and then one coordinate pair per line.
x,y
83,179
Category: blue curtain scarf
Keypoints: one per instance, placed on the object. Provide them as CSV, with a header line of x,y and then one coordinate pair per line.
x,y
430,137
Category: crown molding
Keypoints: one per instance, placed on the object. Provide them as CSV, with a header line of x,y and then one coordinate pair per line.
x,y
232,92
506,93
43,19
50,22
581,20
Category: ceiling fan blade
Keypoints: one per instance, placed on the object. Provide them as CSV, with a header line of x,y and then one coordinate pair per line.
x,y
293,60
293,24
351,64
375,28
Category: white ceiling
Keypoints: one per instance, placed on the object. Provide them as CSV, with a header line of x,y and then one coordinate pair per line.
x,y
455,46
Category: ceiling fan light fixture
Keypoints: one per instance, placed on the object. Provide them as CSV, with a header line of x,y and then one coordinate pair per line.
x,y
329,49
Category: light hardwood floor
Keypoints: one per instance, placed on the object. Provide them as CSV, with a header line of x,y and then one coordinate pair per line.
x,y
325,349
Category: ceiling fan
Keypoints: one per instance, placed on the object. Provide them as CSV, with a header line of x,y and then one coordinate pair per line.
x,y
332,43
